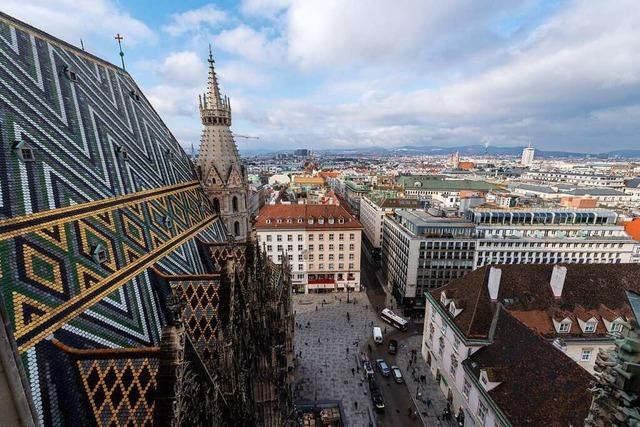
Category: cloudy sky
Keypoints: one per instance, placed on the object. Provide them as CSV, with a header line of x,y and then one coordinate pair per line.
x,y
357,73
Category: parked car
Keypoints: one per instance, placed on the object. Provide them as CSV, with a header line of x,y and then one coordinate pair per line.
x,y
376,394
383,367
397,374
392,348
368,370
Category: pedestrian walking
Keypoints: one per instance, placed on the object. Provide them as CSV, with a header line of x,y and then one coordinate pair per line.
x,y
353,371
316,308
355,404
318,340
347,350
358,368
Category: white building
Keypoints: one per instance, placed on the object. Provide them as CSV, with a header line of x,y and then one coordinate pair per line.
x,y
497,340
527,156
373,209
549,236
583,179
322,243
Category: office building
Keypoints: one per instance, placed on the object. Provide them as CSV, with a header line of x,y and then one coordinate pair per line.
x,y
548,236
421,251
527,156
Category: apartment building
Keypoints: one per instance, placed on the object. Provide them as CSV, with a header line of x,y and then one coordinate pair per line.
x,y
373,209
530,322
421,251
322,243
549,236
493,369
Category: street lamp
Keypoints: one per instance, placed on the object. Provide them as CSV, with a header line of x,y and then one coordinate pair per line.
x,y
348,275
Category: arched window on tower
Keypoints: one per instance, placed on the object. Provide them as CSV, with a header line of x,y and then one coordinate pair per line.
x,y
216,205
234,203
236,228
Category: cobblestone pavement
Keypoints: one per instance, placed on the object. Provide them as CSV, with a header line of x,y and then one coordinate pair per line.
x,y
421,391
324,368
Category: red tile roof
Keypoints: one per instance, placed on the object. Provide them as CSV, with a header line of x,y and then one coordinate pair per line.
x,y
590,290
539,385
281,216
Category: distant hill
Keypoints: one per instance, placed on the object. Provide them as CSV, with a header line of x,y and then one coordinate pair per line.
x,y
465,150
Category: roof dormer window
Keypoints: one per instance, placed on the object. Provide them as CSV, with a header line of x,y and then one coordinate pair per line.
x,y
268,221
310,220
279,220
564,327
321,220
616,327
24,151
590,326
300,220
331,220
135,95
289,221
340,220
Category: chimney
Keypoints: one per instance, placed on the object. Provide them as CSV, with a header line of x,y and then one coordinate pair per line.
x,y
494,282
557,280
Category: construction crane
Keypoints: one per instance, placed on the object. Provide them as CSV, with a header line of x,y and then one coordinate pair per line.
x,y
245,136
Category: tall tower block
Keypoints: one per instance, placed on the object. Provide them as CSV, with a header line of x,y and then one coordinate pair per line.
x,y
222,172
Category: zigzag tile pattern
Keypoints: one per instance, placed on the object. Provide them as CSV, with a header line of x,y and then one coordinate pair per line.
x,y
94,190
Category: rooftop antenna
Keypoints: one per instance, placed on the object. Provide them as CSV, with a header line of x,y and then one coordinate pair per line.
x,y
120,38
81,44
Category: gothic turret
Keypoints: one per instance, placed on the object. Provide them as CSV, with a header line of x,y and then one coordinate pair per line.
x,y
221,169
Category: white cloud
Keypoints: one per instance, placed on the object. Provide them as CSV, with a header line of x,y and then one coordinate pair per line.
x,y
250,44
241,74
182,68
195,20
72,20
265,8
334,32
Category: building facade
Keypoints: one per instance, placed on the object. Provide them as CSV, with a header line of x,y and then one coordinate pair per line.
x,y
320,242
421,251
549,236
373,209
222,173
513,344
527,156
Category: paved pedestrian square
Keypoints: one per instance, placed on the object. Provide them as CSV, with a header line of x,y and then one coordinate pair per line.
x,y
329,346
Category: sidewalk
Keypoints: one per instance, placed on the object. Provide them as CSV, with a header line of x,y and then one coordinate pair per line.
x,y
421,391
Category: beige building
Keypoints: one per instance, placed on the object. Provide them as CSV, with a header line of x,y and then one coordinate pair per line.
x,y
322,243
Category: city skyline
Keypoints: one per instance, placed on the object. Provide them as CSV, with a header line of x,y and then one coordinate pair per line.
x,y
319,74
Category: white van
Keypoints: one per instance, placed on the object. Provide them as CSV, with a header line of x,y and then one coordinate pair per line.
x,y
377,335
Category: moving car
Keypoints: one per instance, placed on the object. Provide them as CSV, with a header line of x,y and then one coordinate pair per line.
x,y
377,335
392,348
397,374
376,394
383,367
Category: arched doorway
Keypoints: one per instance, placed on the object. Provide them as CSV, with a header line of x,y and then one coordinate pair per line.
x,y
236,228
216,205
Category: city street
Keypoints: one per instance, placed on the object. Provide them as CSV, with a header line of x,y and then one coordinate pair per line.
x,y
330,345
